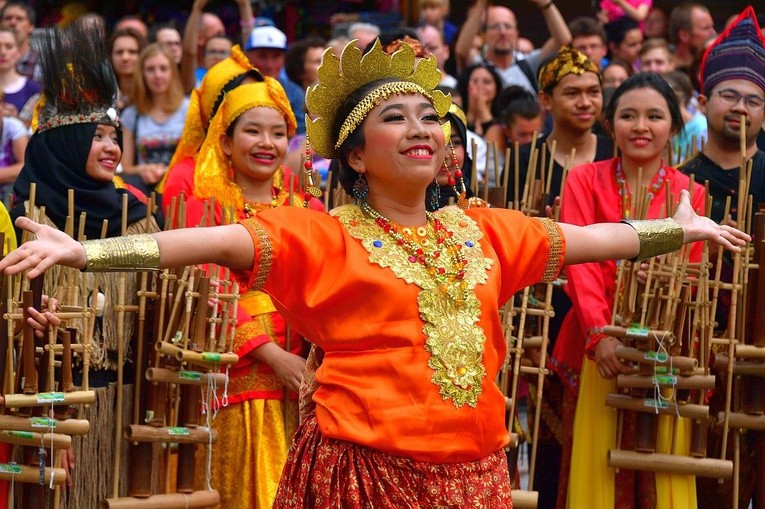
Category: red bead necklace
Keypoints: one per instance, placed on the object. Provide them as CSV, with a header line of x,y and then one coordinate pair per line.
x,y
415,249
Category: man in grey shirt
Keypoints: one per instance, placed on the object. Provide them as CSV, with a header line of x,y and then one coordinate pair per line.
x,y
501,36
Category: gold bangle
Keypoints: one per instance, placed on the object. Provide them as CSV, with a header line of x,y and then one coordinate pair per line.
x,y
657,236
133,252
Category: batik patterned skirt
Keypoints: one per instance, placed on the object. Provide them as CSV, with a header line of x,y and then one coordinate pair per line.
x,y
326,473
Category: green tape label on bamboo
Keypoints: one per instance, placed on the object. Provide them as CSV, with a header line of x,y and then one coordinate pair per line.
x,y
43,422
663,370
655,403
636,330
209,356
190,375
664,380
7,468
50,397
21,434
656,356
177,431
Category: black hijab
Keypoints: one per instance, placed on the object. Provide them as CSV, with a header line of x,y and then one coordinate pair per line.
x,y
55,160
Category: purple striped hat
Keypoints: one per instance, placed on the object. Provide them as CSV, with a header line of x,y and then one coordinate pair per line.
x,y
737,53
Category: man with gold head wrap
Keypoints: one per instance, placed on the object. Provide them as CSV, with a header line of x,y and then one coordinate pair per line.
x,y
403,301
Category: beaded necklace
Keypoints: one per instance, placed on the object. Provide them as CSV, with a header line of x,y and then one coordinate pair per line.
x,y
624,191
415,244
277,198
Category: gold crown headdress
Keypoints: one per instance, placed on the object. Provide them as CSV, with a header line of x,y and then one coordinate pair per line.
x,y
340,77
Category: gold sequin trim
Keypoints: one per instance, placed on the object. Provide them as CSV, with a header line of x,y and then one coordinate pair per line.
x,y
453,337
129,253
555,258
266,253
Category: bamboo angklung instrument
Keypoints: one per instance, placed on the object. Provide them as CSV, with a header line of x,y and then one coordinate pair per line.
x,y
659,322
185,358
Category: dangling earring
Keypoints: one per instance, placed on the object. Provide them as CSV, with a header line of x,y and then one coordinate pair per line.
x,y
312,190
360,189
433,194
457,181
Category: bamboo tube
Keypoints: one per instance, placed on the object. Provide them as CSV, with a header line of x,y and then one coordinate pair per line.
x,y
523,499
684,364
169,434
516,177
746,368
34,439
533,342
31,475
68,427
32,400
625,402
750,352
184,377
196,500
623,332
681,382
58,348
743,421
201,358
541,373
670,464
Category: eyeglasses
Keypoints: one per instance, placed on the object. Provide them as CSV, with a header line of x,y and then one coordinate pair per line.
x,y
500,26
731,98
217,53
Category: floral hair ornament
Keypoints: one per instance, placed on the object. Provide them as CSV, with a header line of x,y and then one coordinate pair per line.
x,y
340,77
569,60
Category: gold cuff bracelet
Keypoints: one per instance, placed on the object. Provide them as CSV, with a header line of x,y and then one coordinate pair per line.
x,y
657,236
132,252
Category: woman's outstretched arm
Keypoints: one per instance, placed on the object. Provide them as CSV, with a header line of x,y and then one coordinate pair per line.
x,y
615,241
229,246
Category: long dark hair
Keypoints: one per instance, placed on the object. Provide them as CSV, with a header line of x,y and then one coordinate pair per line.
x,y
647,80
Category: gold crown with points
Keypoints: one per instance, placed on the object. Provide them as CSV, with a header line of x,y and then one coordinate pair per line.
x,y
340,77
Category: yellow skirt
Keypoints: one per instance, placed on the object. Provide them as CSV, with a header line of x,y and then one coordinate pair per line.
x,y
591,480
249,455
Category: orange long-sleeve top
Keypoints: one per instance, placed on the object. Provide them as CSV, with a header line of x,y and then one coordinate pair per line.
x,y
341,281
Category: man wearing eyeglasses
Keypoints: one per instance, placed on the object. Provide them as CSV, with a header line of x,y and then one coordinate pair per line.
x,y
733,87
501,39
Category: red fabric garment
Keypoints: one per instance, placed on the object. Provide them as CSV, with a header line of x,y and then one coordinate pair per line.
x,y
592,195
180,180
324,473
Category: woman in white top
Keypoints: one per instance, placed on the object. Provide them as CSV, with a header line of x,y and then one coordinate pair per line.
x,y
153,124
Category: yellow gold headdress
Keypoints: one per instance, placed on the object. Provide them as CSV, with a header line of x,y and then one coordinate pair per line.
x,y
202,101
340,77
212,173
569,60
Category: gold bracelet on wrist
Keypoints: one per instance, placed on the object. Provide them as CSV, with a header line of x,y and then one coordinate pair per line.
x,y
133,252
657,236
